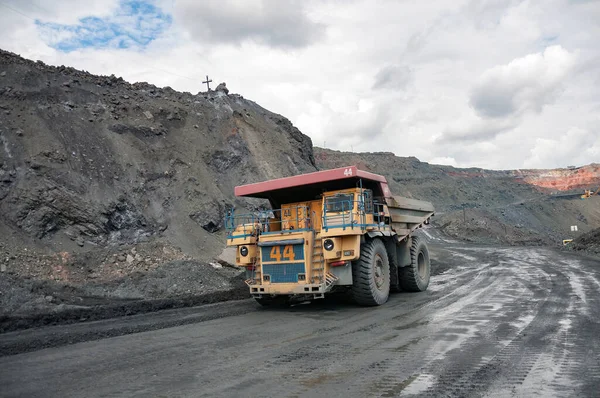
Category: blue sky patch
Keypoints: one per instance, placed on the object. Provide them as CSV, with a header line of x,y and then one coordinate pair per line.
x,y
135,23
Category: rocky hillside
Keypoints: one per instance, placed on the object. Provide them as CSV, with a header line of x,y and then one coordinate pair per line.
x,y
95,160
102,180
511,206
563,179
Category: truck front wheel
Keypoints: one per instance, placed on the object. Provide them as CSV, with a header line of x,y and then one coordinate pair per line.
x,y
415,277
371,274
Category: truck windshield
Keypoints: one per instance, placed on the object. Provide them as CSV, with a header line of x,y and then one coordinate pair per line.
x,y
337,203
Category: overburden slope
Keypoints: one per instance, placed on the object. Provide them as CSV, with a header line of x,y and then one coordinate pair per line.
x,y
101,179
99,160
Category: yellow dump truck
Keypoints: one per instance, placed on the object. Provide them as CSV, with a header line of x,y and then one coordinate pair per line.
x,y
327,231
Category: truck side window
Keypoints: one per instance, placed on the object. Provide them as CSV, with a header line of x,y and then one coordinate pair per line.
x,y
368,200
337,203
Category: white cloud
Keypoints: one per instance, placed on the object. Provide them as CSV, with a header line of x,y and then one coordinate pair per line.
x,y
524,84
272,22
395,77
575,147
448,161
475,129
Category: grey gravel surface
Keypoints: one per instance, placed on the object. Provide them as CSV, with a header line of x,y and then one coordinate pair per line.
x,y
496,322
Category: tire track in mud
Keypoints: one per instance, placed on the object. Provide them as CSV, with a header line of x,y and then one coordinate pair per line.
x,y
394,355
323,358
465,344
380,338
498,346
518,321
465,328
526,355
572,365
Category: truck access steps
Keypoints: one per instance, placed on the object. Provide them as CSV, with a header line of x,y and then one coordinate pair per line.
x,y
330,279
318,260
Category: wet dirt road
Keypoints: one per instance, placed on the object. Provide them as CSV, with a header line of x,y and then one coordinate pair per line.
x,y
495,322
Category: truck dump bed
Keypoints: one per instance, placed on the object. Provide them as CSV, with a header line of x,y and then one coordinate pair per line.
x,y
406,214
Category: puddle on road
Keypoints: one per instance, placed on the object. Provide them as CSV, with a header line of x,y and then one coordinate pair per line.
x,y
490,308
565,324
577,285
418,384
522,322
446,342
415,384
408,345
325,378
448,337
456,330
465,256
439,282
466,322
419,322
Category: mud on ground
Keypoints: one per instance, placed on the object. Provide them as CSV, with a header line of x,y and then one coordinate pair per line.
x,y
519,321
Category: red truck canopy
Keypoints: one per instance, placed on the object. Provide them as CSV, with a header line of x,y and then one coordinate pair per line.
x,y
310,186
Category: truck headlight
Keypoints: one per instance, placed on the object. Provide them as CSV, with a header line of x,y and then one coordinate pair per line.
x,y
328,245
244,251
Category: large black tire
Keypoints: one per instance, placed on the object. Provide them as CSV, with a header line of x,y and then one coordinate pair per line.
x,y
393,260
415,277
274,302
371,274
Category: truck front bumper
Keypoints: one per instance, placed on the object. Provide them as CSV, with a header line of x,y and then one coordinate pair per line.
x,y
288,289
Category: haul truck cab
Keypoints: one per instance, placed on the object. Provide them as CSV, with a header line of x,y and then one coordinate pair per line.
x,y
330,230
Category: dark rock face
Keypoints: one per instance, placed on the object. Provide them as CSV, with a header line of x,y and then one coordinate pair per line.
x,y
210,215
98,160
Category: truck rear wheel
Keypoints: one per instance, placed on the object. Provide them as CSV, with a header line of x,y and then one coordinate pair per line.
x,y
393,260
415,277
371,274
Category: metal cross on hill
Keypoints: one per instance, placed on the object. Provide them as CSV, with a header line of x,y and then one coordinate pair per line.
x,y
207,83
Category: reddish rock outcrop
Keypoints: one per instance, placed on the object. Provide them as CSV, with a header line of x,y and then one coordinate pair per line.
x,y
585,177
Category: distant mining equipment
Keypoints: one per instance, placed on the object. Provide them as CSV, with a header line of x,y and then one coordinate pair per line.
x,y
589,193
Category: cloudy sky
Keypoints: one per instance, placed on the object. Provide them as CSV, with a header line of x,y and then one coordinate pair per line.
x,y
494,84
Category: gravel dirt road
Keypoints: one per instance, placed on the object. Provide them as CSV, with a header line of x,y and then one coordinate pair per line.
x,y
494,322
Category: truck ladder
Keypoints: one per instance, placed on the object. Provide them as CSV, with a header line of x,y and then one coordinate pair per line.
x,y
256,275
318,260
